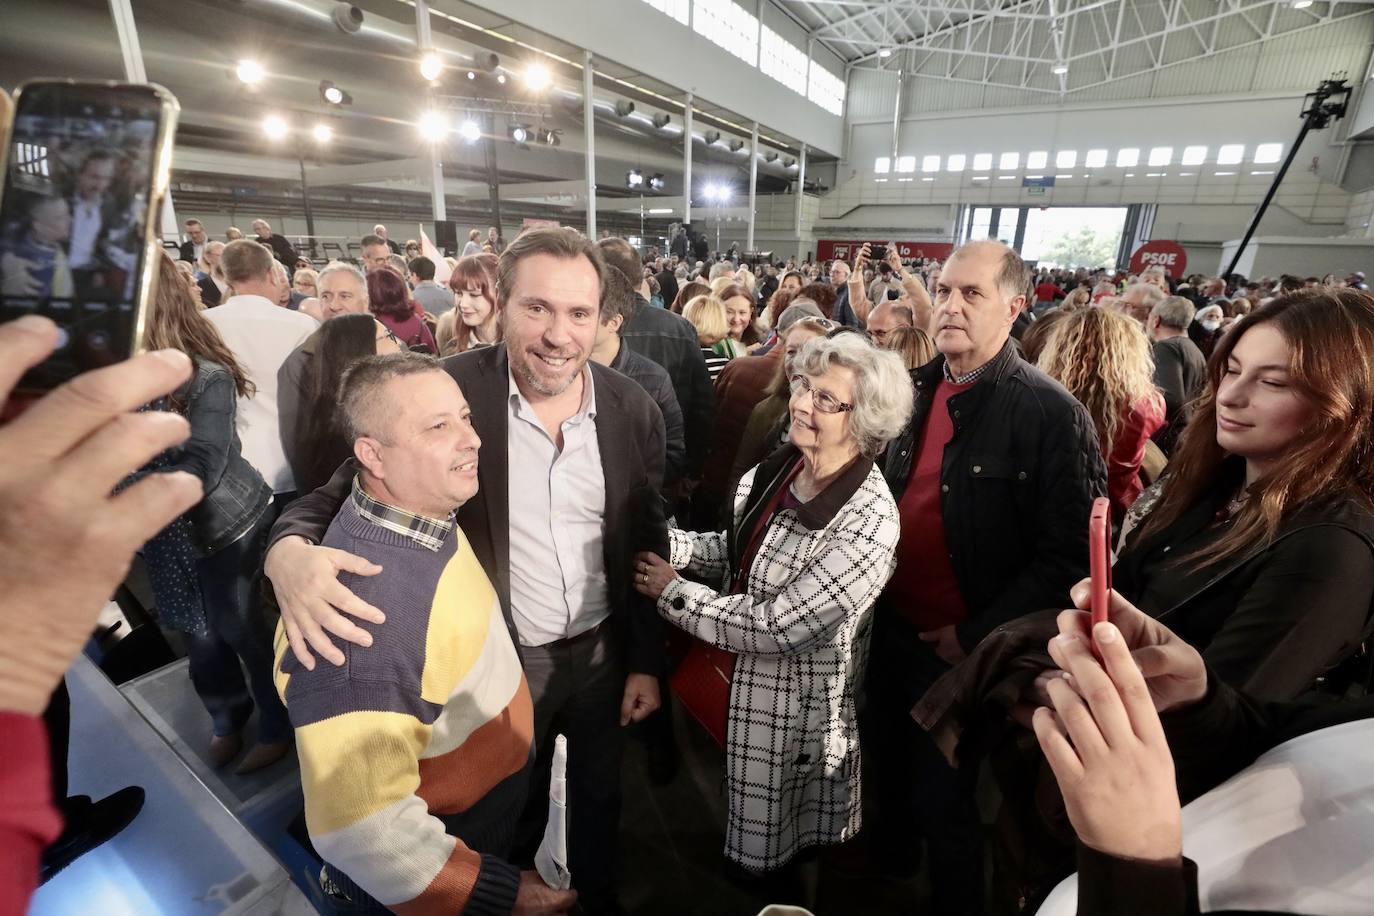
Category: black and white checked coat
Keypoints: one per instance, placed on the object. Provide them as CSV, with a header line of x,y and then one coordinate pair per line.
x,y
801,632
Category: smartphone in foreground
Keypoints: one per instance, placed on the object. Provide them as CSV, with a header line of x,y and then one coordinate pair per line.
x,y
85,171
1100,557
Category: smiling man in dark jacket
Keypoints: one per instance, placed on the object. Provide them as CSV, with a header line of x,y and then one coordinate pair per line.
x,y
994,479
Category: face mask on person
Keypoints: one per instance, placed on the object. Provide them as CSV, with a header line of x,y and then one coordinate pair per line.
x,y
1210,324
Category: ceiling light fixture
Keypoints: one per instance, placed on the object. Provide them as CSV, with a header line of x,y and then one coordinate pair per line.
x,y
333,95
470,131
656,181
433,126
537,77
322,133
431,65
661,120
249,72
275,127
624,108
885,53
1060,69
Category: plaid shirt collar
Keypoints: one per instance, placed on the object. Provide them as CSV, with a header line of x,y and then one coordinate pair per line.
x,y
429,533
971,377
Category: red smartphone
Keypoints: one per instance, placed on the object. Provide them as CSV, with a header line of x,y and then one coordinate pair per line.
x,y
1100,556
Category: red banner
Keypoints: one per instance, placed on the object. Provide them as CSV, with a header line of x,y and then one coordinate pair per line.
x,y
1160,253
828,249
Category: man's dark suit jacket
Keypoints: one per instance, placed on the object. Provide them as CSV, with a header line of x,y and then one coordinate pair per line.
x,y
629,431
188,250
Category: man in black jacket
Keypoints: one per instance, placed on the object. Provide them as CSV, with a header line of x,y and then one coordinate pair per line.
x,y
994,479
671,341
571,469
194,246
282,250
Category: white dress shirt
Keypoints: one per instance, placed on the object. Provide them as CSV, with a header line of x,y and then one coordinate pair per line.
x,y
85,236
557,523
262,335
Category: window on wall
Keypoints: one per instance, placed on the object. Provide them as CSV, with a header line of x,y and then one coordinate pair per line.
x,y
1231,154
1009,161
1095,159
906,163
730,26
1066,159
882,165
982,162
782,60
1127,158
678,9
1268,152
1193,155
1037,160
955,163
930,163
1161,155
826,89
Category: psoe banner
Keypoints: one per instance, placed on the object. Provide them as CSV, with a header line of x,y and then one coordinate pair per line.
x,y
1161,253
828,249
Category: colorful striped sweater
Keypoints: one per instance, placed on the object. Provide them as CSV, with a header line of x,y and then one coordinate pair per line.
x,y
416,753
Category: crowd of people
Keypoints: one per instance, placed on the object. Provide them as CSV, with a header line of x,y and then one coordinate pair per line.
x,y
837,510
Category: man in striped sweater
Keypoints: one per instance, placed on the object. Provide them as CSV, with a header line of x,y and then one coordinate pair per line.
x,y
416,753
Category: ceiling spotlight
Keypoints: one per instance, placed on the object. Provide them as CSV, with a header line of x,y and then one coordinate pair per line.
x,y
431,66
551,137
1060,69
624,108
501,78
1301,4
519,135
433,126
885,53
656,181
488,62
711,136
789,163
736,145
333,95
661,120
275,127
770,156
470,131
322,133
472,75
249,72
634,178
537,77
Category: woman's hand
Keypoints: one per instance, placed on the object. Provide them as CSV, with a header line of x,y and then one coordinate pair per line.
x,y
861,259
652,574
1104,741
305,579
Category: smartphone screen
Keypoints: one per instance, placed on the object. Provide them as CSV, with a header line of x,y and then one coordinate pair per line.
x,y
74,219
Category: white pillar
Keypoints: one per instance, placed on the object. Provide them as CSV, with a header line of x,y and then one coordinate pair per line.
x,y
436,193
424,43
687,160
129,48
801,184
589,126
753,183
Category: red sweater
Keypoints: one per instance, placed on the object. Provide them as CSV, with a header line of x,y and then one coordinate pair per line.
x,y
1123,462
923,589
28,820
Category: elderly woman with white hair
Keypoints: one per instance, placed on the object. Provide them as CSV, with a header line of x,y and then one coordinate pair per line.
x,y
810,549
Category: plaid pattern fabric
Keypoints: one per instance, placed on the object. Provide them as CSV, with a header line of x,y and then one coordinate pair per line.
x,y
429,533
966,379
801,634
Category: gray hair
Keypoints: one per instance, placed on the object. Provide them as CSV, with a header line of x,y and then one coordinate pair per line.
x,y
1174,312
360,410
883,395
339,267
722,269
1149,295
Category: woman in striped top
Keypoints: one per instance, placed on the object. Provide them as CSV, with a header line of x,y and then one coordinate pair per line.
x,y
707,315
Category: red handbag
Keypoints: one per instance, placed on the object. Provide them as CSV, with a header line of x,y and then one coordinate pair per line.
x,y
702,684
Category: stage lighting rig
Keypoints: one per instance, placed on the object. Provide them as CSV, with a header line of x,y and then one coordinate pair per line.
x,y
333,95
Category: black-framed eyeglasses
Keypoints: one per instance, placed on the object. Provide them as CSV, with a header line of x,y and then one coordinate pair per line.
x,y
825,401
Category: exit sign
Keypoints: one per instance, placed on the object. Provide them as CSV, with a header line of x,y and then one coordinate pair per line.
x,y
1035,192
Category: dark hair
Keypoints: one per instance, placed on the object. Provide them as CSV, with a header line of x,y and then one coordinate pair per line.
x,y
474,270
321,445
422,267
362,379
617,296
1330,333
387,295
823,294
175,322
619,254
687,292
736,291
562,243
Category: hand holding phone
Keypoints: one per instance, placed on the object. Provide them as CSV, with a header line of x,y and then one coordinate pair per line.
x,y
1100,557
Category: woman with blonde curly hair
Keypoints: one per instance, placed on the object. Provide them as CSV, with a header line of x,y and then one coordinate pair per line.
x,y
1104,359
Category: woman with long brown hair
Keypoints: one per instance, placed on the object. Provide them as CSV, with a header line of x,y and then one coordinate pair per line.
x,y
206,576
1104,359
1257,546
473,282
